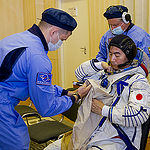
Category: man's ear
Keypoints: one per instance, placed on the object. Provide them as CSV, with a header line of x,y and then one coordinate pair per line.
x,y
52,30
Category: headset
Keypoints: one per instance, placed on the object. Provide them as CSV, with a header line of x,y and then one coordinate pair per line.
x,y
126,17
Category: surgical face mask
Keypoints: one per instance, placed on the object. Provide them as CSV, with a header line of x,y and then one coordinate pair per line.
x,y
54,47
117,30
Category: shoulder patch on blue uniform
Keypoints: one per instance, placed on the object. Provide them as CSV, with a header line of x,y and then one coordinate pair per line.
x,y
43,78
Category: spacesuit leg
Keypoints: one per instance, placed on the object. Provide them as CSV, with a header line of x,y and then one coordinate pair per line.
x,y
113,144
54,146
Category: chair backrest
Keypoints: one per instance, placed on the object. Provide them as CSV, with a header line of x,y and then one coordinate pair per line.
x,y
145,132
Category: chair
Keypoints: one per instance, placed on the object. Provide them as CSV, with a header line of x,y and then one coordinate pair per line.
x,y
145,132
44,130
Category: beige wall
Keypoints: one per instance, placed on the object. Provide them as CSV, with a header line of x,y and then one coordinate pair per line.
x,y
98,24
76,47
11,15
19,15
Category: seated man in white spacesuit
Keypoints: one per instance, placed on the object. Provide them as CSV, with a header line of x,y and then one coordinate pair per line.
x,y
111,115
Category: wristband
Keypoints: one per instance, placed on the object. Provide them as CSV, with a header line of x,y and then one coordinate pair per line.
x,y
77,94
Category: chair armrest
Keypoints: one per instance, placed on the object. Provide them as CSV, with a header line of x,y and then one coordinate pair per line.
x,y
62,118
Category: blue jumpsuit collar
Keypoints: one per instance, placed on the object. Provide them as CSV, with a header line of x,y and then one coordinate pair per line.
x,y
36,31
129,27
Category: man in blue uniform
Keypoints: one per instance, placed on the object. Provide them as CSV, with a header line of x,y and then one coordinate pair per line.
x,y
119,21
26,71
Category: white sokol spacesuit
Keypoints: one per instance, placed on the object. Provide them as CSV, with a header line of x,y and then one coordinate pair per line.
x,y
128,95
125,95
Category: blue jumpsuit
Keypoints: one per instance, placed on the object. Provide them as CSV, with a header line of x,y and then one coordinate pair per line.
x,y
138,35
31,76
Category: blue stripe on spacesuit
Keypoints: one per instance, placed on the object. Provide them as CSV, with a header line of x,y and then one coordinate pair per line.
x,y
143,116
100,124
128,118
138,116
134,135
102,121
80,72
83,71
77,74
125,138
125,118
138,112
93,66
131,118
120,87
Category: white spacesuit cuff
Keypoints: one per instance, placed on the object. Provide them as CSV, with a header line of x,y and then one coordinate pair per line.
x,y
105,110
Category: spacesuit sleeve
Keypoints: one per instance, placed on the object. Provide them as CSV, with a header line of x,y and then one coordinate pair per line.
x,y
88,70
137,110
46,97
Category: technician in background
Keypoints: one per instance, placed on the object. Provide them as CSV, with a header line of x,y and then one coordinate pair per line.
x,y
119,21
26,72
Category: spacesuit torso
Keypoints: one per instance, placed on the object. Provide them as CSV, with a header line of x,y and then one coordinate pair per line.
x,y
126,93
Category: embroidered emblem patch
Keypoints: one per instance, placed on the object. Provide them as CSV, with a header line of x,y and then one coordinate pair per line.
x,y
44,78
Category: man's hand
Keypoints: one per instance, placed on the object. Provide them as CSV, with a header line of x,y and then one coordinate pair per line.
x,y
106,66
83,90
97,106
